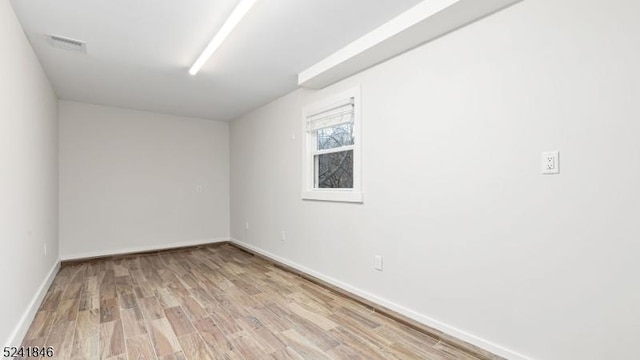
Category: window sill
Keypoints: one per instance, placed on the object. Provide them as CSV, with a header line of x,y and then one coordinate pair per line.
x,y
338,196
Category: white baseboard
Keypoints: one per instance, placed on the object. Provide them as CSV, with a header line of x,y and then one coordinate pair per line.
x,y
18,334
101,253
428,321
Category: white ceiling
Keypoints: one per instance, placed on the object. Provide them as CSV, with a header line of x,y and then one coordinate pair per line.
x,y
139,52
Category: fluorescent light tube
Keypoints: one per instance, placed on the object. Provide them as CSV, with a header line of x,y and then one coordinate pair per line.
x,y
236,16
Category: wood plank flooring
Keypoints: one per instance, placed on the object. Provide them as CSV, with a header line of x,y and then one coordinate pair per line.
x,y
213,302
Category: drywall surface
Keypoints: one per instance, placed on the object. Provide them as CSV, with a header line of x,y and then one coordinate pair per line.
x,y
473,237
28,178
133,180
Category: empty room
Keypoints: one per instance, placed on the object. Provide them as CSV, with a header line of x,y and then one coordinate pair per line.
x,y
320,179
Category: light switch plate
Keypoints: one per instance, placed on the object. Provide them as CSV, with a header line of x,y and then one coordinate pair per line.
x,y
550,162
377,262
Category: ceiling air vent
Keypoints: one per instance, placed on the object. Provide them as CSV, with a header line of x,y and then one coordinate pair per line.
x,y
68,44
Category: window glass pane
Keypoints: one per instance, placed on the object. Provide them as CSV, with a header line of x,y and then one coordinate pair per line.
x,y
334,170
335,136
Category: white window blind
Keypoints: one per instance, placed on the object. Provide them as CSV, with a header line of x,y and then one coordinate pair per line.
x,y
340,114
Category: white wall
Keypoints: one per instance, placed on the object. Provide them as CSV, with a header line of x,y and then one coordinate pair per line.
x,y
28,179
128,180
472,234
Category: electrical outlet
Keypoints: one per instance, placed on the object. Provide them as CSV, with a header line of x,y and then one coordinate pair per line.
x,y
283,236
199,188
377,262
550,162
45,248
246,225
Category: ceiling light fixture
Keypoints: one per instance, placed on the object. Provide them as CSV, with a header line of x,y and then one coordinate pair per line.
x,y
236,16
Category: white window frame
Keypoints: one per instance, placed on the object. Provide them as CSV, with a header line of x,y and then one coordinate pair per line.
x,y
309,191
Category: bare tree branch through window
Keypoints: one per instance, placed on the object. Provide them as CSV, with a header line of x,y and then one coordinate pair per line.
x,y
335,170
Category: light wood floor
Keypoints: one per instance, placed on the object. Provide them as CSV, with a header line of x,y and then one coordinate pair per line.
x,y
214,302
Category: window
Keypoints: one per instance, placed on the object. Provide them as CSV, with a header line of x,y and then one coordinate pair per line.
x,y
332,149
